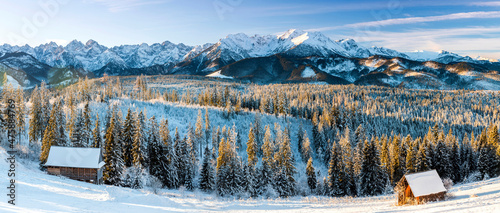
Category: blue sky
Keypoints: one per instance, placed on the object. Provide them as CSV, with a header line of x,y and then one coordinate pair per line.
x,y
465,27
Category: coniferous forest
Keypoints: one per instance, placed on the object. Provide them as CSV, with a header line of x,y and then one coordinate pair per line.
x,y
250,140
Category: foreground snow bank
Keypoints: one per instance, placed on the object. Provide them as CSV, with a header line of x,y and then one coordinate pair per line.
x,y
39,192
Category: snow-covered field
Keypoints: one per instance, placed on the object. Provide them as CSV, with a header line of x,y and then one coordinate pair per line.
x,y
38,192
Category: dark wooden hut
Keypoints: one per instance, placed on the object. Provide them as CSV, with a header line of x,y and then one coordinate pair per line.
x,y
420,187
84,164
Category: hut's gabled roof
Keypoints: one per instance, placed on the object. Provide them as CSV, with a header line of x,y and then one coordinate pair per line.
x,y
75,157
425,183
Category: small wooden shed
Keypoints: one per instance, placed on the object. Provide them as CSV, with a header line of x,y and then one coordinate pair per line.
x,y
420,187
84,164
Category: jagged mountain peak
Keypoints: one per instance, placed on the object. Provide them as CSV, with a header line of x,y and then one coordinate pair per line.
x,y
74,45
91,42
348,41
51,44
291,34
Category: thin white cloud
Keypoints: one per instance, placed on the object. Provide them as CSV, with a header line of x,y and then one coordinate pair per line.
x,y
124,5
472,41
487,3
414,20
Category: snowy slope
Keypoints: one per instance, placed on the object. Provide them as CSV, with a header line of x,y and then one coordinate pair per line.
x,y
39,192
218,75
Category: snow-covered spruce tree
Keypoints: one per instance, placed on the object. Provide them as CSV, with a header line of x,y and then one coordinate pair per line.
x,y
487,163
454,158
250,180
284,182
171,179
60,130
493,135
114,166
466,158
216,136
20,113
191,159
185,168
138,144
239,169
442,156
305,151
359,135
357,152
494,143
128,138
411,157
45,107
396,168
325,189
348,163
198,140
337,180
265,177
257,131
267,171
239,141
251,149
144,128
180,148
315,131
71,124
208,127
222,183
76,132
405,146
35,126
156,162
429,154
421,159
229,177
385,160
311,175
49,138
300,140
207,174
268,148
86,126
372,179
96,134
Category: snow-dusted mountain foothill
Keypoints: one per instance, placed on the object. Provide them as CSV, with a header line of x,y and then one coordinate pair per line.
x,y
258,58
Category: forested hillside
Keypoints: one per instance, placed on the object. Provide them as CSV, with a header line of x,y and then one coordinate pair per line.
x,y
249,140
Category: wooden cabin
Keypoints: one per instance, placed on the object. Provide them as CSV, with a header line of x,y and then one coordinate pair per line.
x,y
83,164
420,187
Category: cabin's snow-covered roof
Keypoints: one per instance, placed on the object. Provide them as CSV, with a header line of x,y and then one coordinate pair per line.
x,y
75,157
425,183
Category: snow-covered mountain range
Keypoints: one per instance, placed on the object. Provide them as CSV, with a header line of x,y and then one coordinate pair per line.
x,y
92,56
340,56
